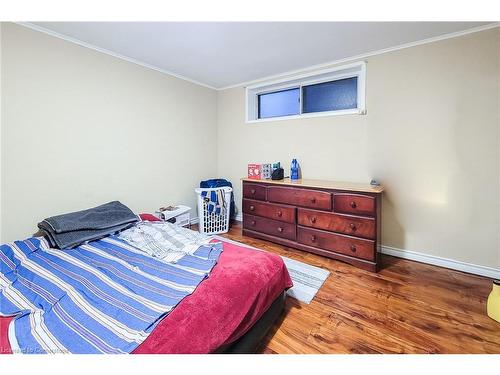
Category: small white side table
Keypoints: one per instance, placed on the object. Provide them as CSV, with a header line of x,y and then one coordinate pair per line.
x,y
181,214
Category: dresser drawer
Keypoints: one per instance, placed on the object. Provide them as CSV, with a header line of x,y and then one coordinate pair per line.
x,y
269,226
352,225
320,200
338,243
254,191
356,204
269,210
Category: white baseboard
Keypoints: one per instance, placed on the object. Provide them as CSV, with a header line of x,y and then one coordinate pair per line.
x,y
457,265
194,220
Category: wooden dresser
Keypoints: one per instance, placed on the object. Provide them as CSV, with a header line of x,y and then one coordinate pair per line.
x,y
335,219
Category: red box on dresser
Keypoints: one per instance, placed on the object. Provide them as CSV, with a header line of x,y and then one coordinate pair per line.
x,y
338,220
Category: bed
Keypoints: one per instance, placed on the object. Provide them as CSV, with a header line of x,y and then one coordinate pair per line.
x,y
229,312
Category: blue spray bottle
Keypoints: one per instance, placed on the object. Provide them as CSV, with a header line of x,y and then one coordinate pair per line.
x,y
294,170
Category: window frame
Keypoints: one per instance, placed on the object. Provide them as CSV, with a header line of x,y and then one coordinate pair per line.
x,y
298,81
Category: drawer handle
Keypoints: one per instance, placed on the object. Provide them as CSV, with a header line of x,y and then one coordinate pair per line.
x,y
313,238
353,204
353,248
353,227
253,222
280,229
313,200
313,219
252,208
280,214
252,191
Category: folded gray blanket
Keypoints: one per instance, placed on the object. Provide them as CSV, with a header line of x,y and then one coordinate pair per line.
x,y
72,229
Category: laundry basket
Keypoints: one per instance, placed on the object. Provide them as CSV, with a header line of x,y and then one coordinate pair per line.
x,y
210,222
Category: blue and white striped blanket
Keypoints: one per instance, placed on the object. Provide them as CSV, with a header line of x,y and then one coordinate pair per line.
x,y
101,297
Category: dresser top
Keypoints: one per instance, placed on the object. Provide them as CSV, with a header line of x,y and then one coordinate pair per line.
x,y
322,184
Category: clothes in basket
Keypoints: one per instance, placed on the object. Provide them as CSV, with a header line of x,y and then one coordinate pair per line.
x,y
218,183
215,201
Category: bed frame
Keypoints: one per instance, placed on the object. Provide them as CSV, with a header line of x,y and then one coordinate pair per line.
x,y
251,340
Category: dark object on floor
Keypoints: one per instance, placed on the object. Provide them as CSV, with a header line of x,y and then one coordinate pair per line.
x,y
72,229
220,182
251,340
278,174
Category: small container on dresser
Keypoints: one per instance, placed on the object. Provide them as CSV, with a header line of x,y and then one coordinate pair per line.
x,y
334,219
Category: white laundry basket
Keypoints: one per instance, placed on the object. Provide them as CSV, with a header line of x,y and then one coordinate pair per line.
x,y
210,222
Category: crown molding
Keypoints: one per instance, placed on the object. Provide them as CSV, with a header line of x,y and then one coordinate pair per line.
x,y
110,53
364,56
272,77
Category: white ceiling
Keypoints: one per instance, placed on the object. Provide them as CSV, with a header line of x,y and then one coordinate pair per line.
x,y
221,54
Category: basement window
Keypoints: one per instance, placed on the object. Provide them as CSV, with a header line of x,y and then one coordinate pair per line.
x,y
338,91
279,103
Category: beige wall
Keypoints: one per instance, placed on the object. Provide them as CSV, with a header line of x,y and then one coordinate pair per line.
x,y
431,136
80,128
76,126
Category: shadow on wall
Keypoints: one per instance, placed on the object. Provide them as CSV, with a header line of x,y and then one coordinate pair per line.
x,y
391,223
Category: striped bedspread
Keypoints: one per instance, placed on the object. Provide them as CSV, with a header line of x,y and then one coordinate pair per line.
x,y
102,297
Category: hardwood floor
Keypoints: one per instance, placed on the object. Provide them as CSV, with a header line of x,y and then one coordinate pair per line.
x,y
407,307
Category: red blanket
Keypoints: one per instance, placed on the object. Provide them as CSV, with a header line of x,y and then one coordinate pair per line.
x,y
224,307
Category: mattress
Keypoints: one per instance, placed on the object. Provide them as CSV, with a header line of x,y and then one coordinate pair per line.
x,y
223,308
